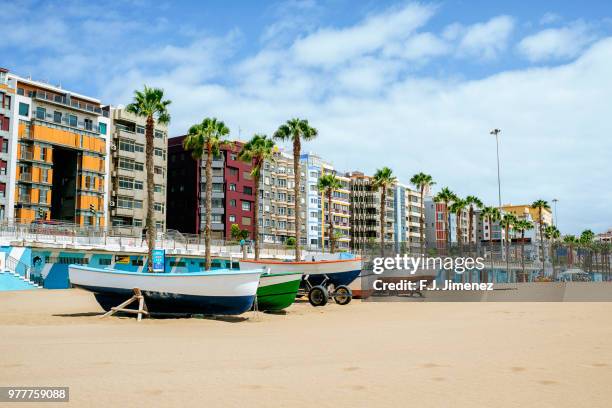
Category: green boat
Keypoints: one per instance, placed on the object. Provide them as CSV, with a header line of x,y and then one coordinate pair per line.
x,y
277,291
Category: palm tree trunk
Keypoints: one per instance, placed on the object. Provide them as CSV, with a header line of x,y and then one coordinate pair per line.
x,y
422,222
296,193
256,215
470,226
150,222
383,208
332,241
523,254
541,240
208,199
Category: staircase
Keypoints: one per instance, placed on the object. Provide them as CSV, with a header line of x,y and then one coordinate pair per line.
x,y
18,276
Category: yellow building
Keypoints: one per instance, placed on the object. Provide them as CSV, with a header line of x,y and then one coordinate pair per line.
x,y
525,211
58,150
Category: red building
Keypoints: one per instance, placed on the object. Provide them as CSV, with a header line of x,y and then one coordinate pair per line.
x,y
232,198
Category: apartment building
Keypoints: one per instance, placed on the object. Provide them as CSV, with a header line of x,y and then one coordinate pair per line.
x,y
233,191
7,98
438,227
316,213
407,207
605,237
128,182
365,212
55,143
277,200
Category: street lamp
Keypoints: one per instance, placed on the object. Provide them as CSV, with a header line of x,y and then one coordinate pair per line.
x,y
496,132
555,211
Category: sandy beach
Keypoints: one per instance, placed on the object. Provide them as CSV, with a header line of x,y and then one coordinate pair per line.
x,y
363,354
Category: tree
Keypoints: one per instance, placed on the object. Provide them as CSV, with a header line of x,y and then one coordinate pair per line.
x,y
150,104
383,179
472,202
457,208
256,151
237,233
541,206
206,140
522,226
491,214
552,234
508,221
290,242
570,240
327,184
446,196
296,130
585,240
422,181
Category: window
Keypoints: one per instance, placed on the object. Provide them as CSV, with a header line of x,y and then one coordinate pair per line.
x,y
102,128
24,109
232,218
138,185
158,188
158,207
41,113
140,129
248,190
160,152
88,124
159,170
233,171
216,218
4,146
246,220
137,203
232,203
126,145
57,117
232,187
159,134
246,206
139,148
104,261
137,223
138,166
126,183
72,120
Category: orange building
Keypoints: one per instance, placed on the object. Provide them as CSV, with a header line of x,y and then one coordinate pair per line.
x,y
58,149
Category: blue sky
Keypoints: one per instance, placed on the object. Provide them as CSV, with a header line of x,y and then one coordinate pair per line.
x,y
412,85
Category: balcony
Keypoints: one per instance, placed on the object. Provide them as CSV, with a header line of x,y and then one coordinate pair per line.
x,y
24,199
25,177
73,104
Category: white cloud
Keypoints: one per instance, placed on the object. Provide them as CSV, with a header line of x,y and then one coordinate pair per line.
x,y
485,40
418,47
550,18
557,43
331,46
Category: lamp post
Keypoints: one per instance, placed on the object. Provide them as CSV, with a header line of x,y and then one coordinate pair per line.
x,y
496,132
554,200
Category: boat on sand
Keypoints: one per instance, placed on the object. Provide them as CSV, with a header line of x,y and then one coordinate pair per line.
x,y
217,292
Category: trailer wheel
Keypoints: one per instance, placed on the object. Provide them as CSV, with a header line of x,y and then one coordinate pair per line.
x,y
343,295
317,296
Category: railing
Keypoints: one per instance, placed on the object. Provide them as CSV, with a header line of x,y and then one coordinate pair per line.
x,y
16,266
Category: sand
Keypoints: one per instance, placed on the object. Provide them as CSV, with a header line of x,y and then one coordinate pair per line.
x,y
363,354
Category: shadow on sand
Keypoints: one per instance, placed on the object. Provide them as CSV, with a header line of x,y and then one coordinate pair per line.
x,y
161,316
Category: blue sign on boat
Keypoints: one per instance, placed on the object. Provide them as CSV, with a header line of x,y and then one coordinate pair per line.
x,y
159,260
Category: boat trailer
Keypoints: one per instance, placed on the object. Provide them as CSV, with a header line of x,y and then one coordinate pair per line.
x,y
319,295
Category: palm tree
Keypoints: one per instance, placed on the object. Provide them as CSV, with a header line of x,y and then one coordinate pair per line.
x,y
150,104
383,179
205,140
473,202
552,234
446,196
570,240
522,226
585,240
422,181
296,130
541,206
508,221
327,184
457,208
256,151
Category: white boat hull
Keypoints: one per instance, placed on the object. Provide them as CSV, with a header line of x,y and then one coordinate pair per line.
x,y
215,292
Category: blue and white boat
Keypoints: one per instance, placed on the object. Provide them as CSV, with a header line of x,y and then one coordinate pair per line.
x,y
217,292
